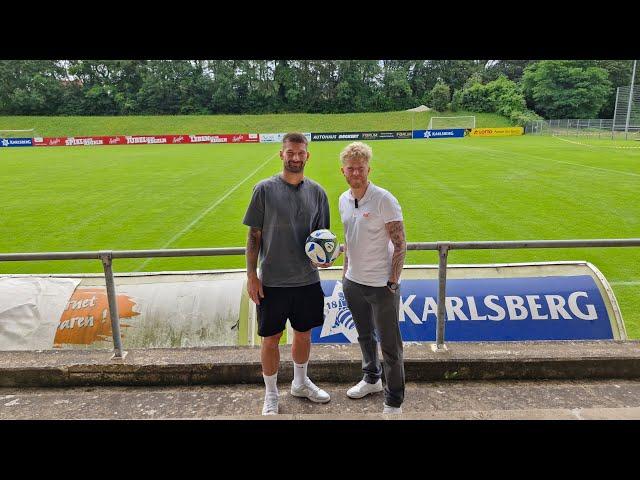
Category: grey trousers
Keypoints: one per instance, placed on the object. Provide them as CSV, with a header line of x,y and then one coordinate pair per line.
x,y
375,311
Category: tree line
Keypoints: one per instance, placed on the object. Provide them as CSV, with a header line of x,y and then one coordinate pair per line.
x,y
518,89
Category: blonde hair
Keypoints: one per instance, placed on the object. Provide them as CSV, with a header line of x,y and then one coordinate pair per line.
x,y
356,150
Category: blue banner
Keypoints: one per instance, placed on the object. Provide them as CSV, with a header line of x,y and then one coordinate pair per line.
x,y
449,133
485,309
16,142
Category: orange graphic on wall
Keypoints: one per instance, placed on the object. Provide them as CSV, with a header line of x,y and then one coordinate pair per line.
x,y
86,317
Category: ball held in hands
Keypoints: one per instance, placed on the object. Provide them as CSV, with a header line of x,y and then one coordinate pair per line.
x,y
322,248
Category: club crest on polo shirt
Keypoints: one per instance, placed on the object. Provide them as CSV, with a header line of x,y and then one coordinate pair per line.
x,y
357,214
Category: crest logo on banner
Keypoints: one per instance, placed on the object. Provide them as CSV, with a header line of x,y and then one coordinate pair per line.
x,y
337,317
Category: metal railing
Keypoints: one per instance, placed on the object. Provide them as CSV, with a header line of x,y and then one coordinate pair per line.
x,y
443,248
591,127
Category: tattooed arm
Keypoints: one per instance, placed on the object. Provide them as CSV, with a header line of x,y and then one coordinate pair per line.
x,y
254,285
396,233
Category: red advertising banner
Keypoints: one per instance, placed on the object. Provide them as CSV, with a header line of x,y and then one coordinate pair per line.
x,y
154,139
145,139
225,138
75,141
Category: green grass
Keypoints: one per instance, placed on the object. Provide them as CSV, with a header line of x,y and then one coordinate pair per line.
x,y
185,196
193,124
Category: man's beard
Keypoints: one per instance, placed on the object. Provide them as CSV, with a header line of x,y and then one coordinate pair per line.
x,y
356,183
293,168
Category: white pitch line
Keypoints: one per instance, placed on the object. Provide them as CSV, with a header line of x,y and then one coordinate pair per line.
x,y
589,166
208,209
549,160
597,146
630,282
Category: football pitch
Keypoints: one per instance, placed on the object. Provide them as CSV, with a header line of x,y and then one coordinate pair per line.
x,y
188,196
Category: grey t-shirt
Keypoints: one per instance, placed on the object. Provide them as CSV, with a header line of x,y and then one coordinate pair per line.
x,y
287,214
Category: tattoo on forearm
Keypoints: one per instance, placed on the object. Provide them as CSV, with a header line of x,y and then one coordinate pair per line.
x,y
396,233
253,249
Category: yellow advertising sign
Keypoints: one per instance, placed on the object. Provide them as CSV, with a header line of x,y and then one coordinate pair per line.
x,y
496,132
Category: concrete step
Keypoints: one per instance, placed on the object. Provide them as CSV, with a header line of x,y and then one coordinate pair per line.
x,y
329,363
460,400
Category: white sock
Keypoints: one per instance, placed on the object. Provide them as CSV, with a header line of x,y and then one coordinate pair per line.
x,y
271,383
299,373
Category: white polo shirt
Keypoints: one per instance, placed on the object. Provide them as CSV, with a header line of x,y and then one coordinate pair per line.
x,y
369,247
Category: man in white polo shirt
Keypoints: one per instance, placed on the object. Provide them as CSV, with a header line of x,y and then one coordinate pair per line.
x,y
375,248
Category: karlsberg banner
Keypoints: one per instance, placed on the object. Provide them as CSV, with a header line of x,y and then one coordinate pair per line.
x,y
533,307
541,301
16,142
448,133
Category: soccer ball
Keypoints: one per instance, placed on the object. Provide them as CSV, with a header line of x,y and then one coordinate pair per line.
x,y
322,246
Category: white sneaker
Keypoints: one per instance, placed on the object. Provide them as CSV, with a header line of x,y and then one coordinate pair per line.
x,y
270,406
392,410
309,390
363,388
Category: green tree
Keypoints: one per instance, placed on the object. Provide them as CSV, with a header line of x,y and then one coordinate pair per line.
x,y
475,77
396,89
501,96
456,100
223,97
31,87
440,96
286,87
512,69
619,72
422,78
128,80
505,96
356,85
565,88
174,87
319,82
456,72
476,99
98,80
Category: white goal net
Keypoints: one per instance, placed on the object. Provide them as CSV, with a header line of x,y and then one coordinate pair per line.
x,y
439,123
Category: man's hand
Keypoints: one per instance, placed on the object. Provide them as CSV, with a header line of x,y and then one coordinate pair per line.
x,y
254,285
327,265
321,265
254,288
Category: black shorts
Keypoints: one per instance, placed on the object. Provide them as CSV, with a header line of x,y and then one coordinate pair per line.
x,y
303,306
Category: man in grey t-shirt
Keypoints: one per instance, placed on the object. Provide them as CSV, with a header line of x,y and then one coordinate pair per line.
x,y
283,211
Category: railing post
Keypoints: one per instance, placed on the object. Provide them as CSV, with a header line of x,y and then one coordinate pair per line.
x,y
615,112
106,257
600,129
443,251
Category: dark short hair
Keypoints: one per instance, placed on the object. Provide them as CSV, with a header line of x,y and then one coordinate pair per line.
x,y
295,137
